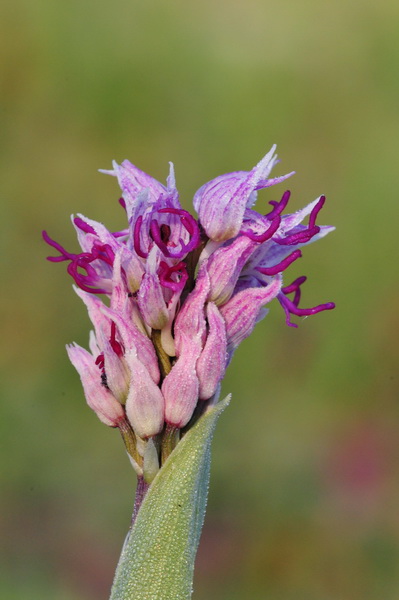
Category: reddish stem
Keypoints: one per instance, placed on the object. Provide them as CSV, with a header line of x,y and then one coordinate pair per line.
x,y
141,490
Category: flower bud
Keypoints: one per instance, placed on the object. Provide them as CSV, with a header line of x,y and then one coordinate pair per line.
x,y
241,312
117,373
150,296
190,321
225,266
145,403
98,396
211,364
134,339
221,203
133,182
180,387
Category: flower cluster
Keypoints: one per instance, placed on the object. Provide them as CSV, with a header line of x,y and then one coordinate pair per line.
x,y
182,295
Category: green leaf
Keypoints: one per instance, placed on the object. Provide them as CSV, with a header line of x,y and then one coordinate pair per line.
x,y
157,560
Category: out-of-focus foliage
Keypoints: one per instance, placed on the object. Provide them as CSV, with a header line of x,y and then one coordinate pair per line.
x,y
305,477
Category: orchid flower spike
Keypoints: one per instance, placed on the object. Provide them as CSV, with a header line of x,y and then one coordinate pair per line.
x,y
172,296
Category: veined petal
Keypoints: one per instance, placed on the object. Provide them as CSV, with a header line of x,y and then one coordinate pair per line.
x,y
181,386
125,262
99,232
190,322
133,268
117,373
93,344
288,222
135,340
211,364
132,181
265,183
145,403
171,179
241,311
119,294
98,397
225,266
150,296
221,203
102,324
167,338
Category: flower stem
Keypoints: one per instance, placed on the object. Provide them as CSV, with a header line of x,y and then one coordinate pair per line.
x,y
170,438
141,490
157,559
163,358
129,440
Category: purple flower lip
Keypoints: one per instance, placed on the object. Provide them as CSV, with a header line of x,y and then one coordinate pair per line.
x,y
136,238
160,234
281,266
86,228
316,210
83,226
295,286
100,361
166,273
64,254
291,306
267,235
278,206
301,237
103,252
190,226
87,282
116,346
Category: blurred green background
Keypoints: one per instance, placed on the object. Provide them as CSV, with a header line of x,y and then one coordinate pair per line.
x,y
305,477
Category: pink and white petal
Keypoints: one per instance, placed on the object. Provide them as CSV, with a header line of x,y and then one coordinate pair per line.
x,y
94,305
145,402
100,232
211,364
225,266
117,372
133,268
133,182
93,344
221,203
242,311
98,397
135,340
288,222
180,387
150,296
190,321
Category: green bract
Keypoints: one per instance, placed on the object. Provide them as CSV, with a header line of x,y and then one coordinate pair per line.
x,y
157,560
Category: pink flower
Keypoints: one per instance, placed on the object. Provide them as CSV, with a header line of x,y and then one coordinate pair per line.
x,y
180,294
